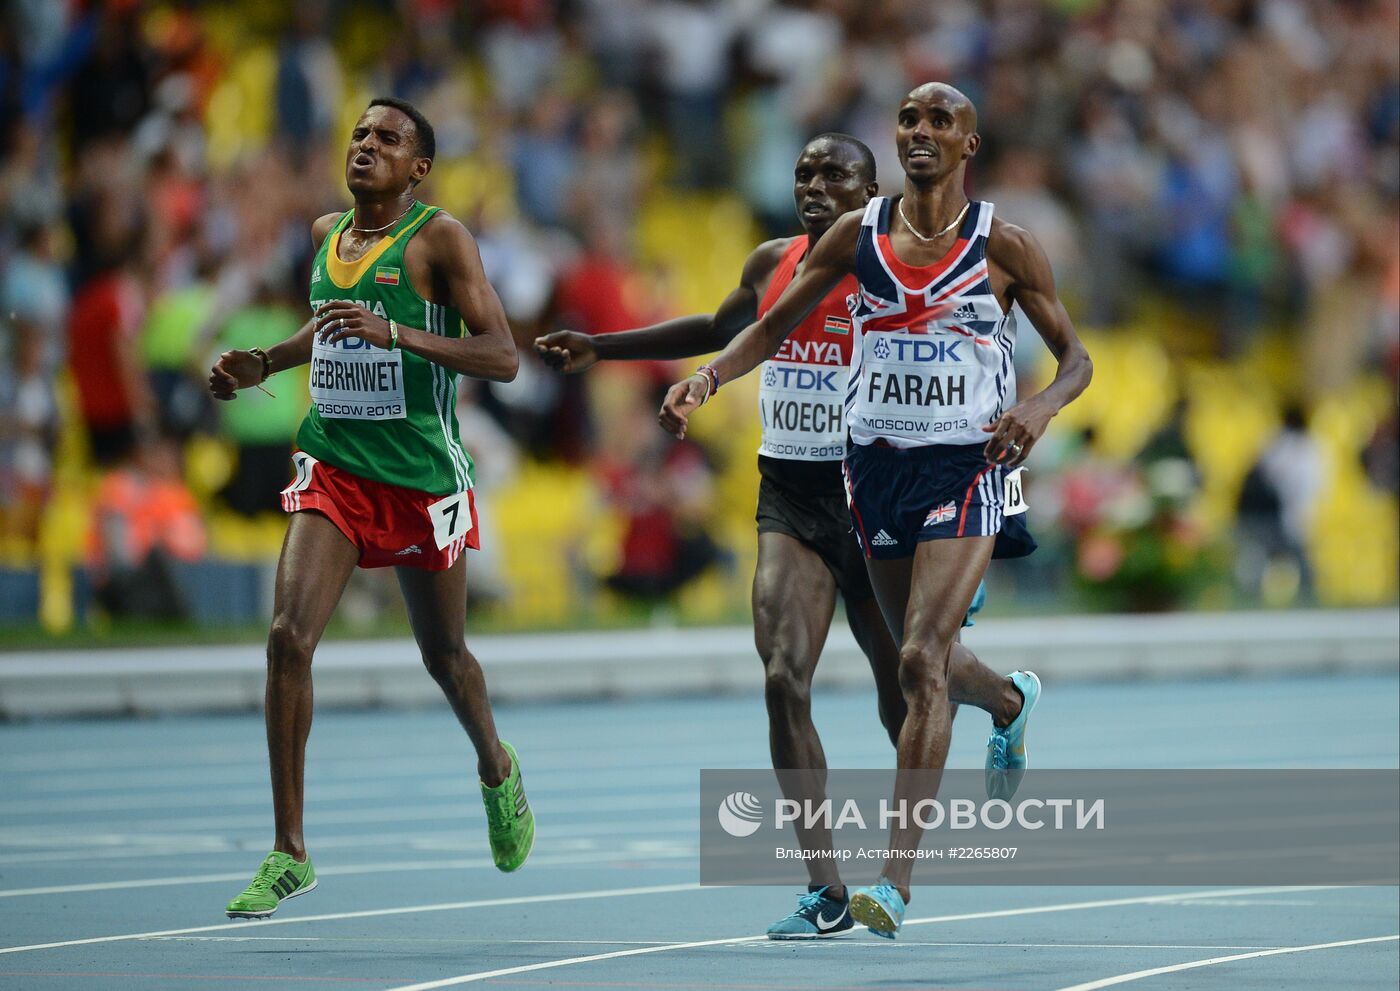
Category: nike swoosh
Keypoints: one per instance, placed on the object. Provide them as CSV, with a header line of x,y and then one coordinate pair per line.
x,y
823,925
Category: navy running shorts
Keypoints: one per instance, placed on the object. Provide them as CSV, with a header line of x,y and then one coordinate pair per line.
x,y
902,496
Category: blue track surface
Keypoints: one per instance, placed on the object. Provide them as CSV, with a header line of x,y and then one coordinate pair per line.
x,y
121,841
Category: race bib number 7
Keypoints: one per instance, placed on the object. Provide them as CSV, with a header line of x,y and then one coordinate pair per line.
x,y
1014,502
452,518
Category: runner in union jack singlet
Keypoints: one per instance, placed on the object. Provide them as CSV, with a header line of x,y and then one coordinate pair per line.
x,y
937,434
807,551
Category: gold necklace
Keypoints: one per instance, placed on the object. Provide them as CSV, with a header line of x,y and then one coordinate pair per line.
x,y
376,230
932,237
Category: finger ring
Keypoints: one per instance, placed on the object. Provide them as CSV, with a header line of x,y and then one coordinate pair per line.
x,y
1015,446
342,322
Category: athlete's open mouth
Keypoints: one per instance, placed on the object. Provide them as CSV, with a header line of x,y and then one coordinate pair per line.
x,y
921,152
812,207
363,161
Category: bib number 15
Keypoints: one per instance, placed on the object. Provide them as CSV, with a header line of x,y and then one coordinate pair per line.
x,y
452,518
1014,501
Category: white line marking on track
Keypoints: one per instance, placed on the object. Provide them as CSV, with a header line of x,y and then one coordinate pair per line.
x,y
732,941
416,811
120,846
648,851
775,945
886,945
482,942
658,889
1138,975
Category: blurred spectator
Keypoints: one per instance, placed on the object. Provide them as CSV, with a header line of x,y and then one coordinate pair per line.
x,y
1277,504
173,361
34,293
144,519
608,175
691,45
113,395
28,433
497,463
663,493
787,53
1091,486
1381,456
545,161
114,86
1020,188
260,425
308,80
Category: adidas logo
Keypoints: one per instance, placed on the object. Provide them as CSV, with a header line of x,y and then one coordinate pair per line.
x,y
410,549
316,275
965,312
883,539
286,884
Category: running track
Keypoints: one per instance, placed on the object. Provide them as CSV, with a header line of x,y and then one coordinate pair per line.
x,y
120,842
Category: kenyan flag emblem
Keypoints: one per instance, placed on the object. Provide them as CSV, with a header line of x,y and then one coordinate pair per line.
x,y
386,276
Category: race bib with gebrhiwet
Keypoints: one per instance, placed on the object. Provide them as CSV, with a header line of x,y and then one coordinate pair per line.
x,y
354,380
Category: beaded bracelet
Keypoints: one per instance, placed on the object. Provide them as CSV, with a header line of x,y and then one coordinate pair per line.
x,y
711,381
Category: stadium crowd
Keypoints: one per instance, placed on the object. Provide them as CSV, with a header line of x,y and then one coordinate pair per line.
x,y
1221,175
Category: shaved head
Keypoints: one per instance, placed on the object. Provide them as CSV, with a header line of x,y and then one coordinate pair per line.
x,y
951,97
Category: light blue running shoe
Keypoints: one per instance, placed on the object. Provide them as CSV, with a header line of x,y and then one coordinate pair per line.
x,y
817,917
1006,747
979,599
879,907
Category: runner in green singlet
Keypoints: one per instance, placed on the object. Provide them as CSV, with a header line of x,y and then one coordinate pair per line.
x,y
401,306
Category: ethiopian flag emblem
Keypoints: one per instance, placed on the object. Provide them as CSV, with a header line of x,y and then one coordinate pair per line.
x,y
386,276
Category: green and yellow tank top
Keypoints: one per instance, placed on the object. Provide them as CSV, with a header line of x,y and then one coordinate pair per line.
x,y
385,415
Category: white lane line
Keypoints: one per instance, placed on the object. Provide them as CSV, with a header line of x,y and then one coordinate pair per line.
x,y
223,766
180,797
486,975
641,801
425,939
1138,975
644,851
658,889
886,946
453,778
841,947
126,846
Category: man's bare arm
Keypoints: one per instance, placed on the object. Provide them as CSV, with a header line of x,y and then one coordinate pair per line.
x,y
1032,285
242,369
831,261
683,337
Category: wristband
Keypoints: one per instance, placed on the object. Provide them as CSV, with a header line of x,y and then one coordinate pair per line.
x,y
393,335
711,381
261,355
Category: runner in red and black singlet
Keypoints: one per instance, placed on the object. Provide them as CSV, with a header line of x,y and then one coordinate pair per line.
x,y
917,497
806,549
401,307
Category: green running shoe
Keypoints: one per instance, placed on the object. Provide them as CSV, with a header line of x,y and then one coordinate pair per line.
x,y
280,877
509,821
